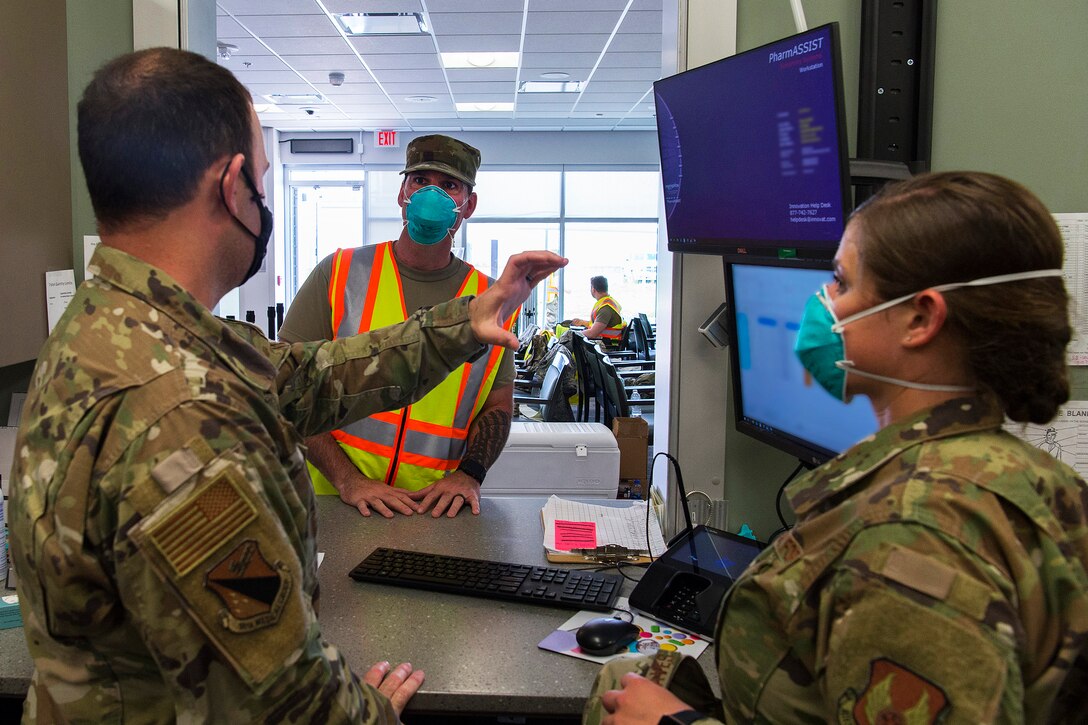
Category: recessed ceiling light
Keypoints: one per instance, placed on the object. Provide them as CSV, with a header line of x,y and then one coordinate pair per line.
x,y
382,23
421,99
551,86
484,107
296,99
555,75
481,60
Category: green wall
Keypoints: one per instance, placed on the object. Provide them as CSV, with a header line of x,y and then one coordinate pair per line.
x,y
1010,97
97,32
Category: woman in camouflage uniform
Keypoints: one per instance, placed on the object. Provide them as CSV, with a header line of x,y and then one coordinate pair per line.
x,y
937,569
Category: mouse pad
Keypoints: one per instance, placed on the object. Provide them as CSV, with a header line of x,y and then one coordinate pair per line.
x,y
653,636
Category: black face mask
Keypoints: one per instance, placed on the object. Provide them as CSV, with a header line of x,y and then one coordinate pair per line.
x,y
260,240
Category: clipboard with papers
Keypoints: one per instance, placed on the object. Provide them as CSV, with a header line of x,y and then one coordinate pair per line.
x,y
582,532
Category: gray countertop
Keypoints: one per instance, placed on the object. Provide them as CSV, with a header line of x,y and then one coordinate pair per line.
x,y
479,655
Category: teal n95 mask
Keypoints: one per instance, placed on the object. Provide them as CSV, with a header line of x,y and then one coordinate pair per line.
x,y
822,350
430,212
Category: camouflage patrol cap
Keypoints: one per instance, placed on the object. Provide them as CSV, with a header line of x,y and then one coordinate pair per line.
x,y
445,154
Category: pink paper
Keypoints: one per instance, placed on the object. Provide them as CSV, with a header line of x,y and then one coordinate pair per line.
x,y
571,535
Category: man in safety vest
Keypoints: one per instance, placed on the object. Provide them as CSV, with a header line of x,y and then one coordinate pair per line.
x,y
432,455
604,320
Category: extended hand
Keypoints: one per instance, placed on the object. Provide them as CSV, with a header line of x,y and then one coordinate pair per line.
x,y
366,494
398,685
490,311
640,701
452,492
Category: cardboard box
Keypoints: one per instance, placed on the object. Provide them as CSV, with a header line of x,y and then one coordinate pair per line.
x,y
632,435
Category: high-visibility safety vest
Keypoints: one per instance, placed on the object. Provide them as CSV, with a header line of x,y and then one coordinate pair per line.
x,y
609,333
415,446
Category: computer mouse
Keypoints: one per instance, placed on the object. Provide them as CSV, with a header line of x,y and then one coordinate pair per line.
x,y
605,636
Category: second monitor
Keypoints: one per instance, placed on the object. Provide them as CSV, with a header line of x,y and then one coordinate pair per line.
x,y
775,399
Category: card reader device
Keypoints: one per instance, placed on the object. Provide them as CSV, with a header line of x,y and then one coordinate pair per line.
x,y
686,585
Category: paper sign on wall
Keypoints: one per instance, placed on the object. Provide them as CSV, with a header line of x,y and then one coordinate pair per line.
x,y
60,286
90,243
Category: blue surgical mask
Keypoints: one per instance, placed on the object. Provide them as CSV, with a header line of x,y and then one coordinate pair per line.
x,y
431,214
822,351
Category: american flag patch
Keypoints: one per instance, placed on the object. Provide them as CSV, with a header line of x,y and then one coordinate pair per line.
x,y
202,524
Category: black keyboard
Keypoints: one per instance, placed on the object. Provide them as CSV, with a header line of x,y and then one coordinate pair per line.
x,y
568,588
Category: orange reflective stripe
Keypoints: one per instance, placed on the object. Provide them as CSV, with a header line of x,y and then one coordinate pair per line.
x,y
441,464
443,431
341,263
371,293
388,416
363,444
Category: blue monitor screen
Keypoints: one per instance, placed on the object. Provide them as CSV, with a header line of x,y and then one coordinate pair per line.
x,y
754,153
776,400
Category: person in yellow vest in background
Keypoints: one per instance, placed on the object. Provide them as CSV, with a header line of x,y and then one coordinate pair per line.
x,y
434,454
604,320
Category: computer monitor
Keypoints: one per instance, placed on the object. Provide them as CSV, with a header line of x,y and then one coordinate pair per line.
x,y
754,151
775,399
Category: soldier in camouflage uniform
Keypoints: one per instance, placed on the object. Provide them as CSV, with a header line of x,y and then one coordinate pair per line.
x,y
938,570
162,519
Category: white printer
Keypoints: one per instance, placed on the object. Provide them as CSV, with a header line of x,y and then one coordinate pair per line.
x,y
572,460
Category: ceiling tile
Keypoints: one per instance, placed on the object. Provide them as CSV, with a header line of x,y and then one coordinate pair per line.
x,y
548,61
497,87
415,89
570,43
374,6
269,7
411,76
346,62
635,42
289,26
226,27
237,63
308,46
479,43
642,22
565,23
631,60
393,44
403,62
574,6
471,23
477,6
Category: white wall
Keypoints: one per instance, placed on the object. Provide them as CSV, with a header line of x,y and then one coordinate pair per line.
x,y
498,148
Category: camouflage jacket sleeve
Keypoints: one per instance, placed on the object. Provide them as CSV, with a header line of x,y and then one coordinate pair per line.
x,y
917,628
214,569
324,385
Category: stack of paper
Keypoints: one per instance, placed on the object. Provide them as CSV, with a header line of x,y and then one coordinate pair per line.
x,y
572,525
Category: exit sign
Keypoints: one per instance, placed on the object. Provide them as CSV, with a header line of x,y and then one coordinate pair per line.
x,y
387,139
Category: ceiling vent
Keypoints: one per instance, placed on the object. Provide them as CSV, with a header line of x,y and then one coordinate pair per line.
x,y
322,145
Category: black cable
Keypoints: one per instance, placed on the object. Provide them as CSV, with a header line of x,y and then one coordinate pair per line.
x,y
650,493
781,490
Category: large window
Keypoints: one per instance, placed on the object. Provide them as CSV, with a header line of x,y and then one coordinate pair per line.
x,y
605,222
